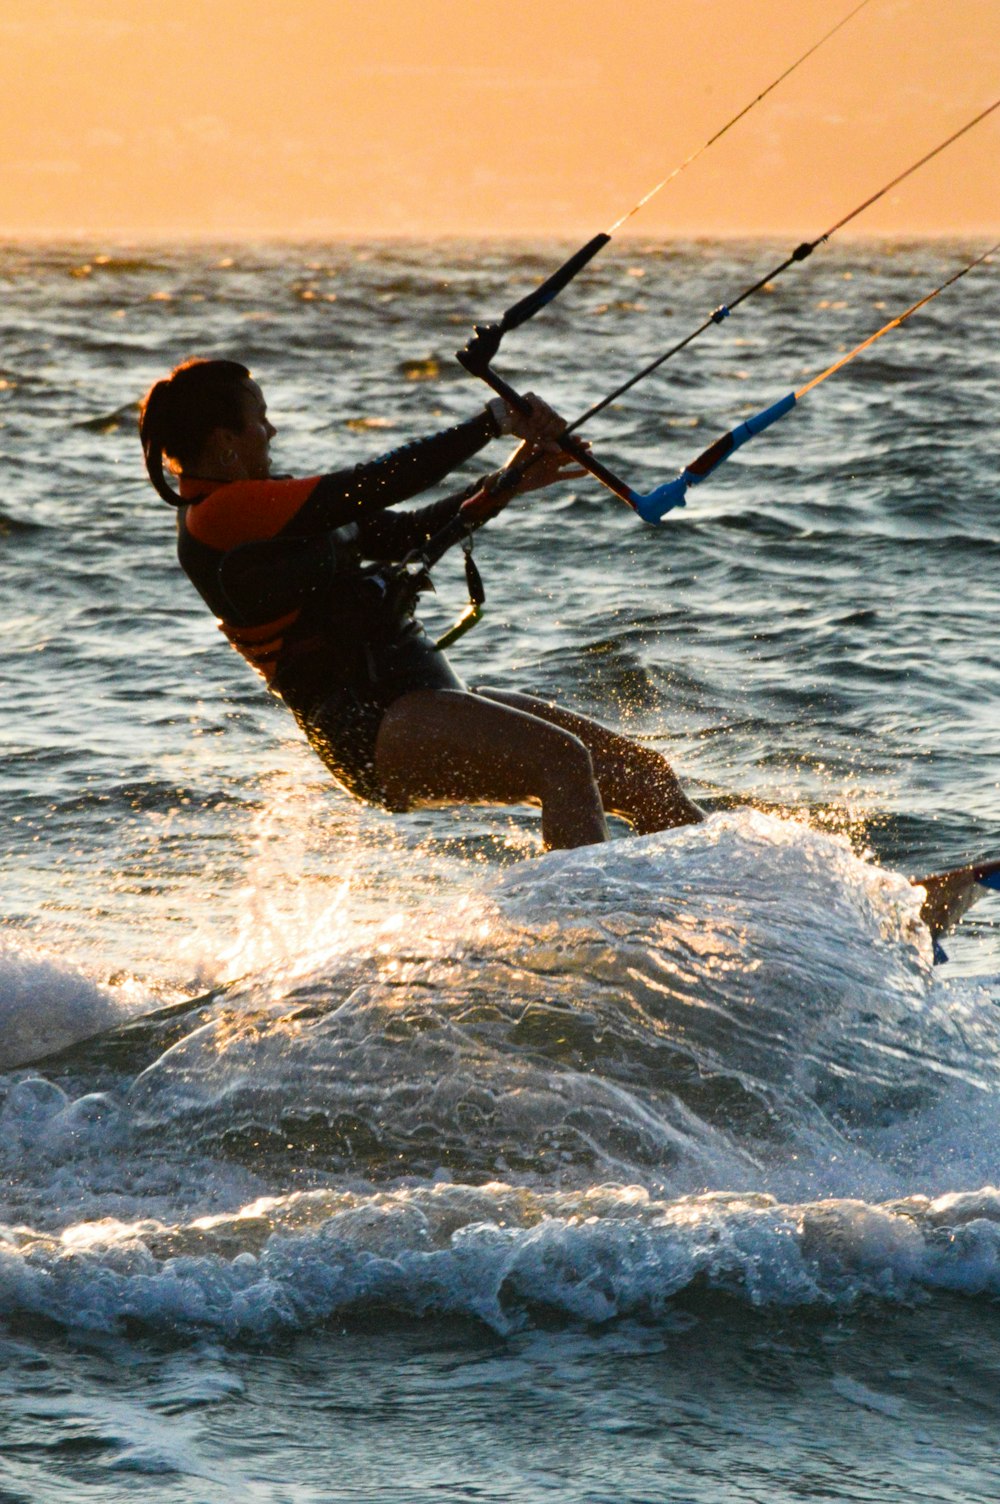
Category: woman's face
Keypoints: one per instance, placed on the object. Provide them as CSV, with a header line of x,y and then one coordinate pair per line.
x,y
252,444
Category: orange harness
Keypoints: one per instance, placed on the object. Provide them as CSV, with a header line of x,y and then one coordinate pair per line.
x,y
261,646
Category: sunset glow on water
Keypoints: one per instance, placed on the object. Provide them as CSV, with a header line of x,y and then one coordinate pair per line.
x,y
357,1157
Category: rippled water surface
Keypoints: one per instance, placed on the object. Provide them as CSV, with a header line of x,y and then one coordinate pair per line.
x,y
351,1157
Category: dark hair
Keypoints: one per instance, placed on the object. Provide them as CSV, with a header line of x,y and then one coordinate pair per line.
x,y
178,414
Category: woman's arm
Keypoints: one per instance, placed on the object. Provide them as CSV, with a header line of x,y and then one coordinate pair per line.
x,y
348,495
393,535
365,490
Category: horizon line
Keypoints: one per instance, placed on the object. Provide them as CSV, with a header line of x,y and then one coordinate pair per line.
x,y
146,237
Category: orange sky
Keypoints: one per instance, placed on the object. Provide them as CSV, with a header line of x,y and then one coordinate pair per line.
x,y
320,117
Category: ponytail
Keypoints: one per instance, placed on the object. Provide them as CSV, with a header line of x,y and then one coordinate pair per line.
x,y
180,412
152,425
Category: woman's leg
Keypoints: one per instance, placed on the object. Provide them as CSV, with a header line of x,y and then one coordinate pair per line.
x,y
450,746
635,781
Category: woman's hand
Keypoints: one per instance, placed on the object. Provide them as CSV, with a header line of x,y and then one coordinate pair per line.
x,y
541,424
539,454
543,464
536,462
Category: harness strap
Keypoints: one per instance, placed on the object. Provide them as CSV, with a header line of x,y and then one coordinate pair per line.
x,y
477,599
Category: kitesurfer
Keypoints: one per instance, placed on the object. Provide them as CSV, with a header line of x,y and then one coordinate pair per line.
x,y
280,562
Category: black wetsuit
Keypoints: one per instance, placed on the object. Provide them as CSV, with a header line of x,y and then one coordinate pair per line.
x,y
279,562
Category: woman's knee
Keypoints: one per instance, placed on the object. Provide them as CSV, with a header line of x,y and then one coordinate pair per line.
x,y
565,759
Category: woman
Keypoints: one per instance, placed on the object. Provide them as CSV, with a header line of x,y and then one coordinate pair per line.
x,y
279,562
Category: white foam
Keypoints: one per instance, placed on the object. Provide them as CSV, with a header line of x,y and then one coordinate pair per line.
x,y
500,1255
47,1004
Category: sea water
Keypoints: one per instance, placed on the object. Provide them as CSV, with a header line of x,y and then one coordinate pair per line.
x,y
351,1157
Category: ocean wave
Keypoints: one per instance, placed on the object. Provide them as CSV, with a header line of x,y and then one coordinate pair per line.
x,y
714,1061
707,1007
497,1254
691,1006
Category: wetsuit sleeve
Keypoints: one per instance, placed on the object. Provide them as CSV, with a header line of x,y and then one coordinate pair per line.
x,y
348,495
392,535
